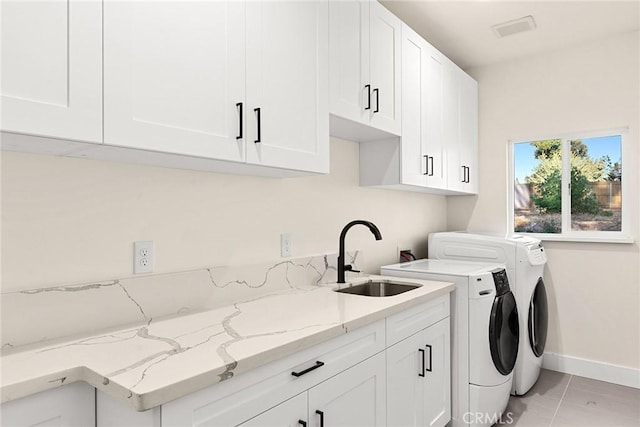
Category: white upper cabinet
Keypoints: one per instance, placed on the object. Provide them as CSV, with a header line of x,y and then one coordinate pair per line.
x,y
287,84
422,119
438,149
175,77
52,68
364,88
461,129
226,80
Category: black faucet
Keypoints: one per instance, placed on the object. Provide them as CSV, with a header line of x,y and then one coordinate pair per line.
x,y
341,266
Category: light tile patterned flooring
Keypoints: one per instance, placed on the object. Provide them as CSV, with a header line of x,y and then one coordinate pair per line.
x,y
559,399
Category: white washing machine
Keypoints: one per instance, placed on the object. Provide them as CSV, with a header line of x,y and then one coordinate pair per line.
x,y
524,258
484,335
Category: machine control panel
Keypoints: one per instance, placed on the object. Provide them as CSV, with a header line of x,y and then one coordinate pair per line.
x,y
537,254
501,281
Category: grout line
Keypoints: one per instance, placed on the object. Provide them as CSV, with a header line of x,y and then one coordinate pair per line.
x,y
560,402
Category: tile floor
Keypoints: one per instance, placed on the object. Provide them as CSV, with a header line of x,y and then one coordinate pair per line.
x,y
559,399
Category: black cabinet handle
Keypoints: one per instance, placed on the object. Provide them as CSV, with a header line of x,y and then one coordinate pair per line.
x,y
421,373
464,174
468,174
377,92
429,369
302,423
368,87
426,165
321,418
301,373
239,107
430,158
257,111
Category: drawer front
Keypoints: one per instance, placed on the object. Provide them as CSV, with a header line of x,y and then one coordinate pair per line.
x,y
249,394
408,322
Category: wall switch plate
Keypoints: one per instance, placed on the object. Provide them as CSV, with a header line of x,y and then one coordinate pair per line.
x,y
285,245
142,257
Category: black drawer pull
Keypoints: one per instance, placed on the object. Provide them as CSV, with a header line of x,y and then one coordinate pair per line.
x,y
302,423
368,87
421,373
321,418
301,373
257,111
239,107
377,92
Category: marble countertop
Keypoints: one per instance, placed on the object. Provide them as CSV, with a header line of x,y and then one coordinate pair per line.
x,y
146,366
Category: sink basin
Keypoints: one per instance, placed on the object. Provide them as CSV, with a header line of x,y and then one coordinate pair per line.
x,y
378,289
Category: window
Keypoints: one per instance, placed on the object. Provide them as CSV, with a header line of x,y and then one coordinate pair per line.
x,y
569,187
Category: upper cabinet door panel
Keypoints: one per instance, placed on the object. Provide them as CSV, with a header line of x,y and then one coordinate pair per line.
x,y
52,68
433,145
349,62
385,44
287,84
468,143
174,74
414,164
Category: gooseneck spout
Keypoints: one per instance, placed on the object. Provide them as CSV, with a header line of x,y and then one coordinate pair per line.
x,y
341,265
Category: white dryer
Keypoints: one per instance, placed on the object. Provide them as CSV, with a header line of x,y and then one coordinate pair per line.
x,y
524,258
484,335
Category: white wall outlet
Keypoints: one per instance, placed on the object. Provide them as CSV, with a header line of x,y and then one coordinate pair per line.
x,y
142,257
285,245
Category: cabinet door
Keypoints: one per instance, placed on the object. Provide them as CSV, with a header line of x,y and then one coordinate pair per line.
x,y
468,141
433,136
405,382
384,52
287,84
355,397
437,380
349,59
292,413
72,405
451,119
52,68
414,121
173,74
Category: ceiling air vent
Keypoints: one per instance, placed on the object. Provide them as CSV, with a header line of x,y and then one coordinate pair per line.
x,y
519,25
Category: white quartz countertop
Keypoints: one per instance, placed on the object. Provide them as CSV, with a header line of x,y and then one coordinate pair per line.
x,y
146,366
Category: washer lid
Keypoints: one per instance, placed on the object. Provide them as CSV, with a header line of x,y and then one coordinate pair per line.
x,y
445,267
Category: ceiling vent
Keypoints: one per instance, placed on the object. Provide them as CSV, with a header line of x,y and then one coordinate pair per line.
x,y
516,26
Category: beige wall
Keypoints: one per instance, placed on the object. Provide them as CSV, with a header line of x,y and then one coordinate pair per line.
x,y
71,220
594,288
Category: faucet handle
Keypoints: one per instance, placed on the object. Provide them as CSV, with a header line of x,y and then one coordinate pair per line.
x,y
349,267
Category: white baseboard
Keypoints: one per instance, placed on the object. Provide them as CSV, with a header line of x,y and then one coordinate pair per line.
x,y
616,374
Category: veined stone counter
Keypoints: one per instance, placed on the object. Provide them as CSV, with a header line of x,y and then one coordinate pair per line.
x,y
150,364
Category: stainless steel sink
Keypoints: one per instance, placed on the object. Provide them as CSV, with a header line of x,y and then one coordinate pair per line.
x,y
378,289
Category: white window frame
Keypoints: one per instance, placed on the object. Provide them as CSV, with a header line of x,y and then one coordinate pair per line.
x,y
568,235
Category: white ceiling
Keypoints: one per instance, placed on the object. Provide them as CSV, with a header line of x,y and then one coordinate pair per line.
x,y
462,29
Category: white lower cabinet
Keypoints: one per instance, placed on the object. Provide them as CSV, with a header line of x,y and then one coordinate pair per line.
x,y
418,384
72,405
355,397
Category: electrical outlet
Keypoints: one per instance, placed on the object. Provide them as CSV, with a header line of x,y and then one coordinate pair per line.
x,y
402,247
142,257
285,245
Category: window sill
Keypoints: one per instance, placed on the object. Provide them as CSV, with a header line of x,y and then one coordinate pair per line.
x,y
622,238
